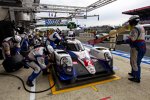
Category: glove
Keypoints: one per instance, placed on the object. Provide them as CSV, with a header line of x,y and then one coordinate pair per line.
x,y
120,42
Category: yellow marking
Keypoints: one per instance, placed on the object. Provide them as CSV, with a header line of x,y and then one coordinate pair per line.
x,y
54,91
94,88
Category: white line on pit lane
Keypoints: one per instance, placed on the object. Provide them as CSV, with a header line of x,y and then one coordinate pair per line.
x,y
32,95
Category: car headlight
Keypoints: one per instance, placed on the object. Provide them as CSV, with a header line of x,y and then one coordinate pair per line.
x,y
66,64
64,60
69,69
107,56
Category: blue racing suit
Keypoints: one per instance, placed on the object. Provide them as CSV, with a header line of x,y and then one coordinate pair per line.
x,y
138,49
52,39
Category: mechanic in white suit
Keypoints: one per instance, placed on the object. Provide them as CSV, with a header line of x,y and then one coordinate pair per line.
x,y
11,46
137,43
54,38
37,60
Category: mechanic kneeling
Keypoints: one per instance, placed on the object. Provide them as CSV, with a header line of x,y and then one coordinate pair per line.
x,y
11,46
37,60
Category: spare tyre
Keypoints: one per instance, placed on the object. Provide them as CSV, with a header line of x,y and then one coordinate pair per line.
x,y
13,63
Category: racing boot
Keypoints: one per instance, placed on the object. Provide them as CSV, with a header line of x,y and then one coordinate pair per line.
x,y
45,72
134,80
29,83
131,74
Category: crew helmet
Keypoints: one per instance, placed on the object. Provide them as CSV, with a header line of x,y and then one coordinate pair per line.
x,y
49,49
16,39
134,17
58,30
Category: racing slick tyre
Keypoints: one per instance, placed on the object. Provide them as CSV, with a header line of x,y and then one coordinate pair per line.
x,y
13,63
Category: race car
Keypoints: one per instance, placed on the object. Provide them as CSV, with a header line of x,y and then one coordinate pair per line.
x,y
102,53
81,65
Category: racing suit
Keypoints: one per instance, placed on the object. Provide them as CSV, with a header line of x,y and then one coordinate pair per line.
x,y
9,47
36,60
54,37
138,49
112,40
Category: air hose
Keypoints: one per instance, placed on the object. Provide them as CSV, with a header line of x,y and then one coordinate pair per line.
x,y
11,75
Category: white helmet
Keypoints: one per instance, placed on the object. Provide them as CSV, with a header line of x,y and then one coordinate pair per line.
x,y
58,30
134,17
49,49
16,39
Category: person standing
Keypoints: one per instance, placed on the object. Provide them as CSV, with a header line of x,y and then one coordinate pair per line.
x,y
136,40
112,39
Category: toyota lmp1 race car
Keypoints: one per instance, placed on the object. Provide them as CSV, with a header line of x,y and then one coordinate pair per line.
x,y
74,62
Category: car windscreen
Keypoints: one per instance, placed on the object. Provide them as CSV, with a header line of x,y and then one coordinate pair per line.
x,y
75,47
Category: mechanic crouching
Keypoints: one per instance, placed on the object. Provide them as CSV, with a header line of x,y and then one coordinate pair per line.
x,y
11,46
137,43
37,60
54,38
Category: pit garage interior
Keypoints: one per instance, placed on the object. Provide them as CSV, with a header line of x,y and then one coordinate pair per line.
x,y
113,87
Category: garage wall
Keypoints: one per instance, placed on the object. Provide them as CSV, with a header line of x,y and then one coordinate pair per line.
x,y
28,3
3,13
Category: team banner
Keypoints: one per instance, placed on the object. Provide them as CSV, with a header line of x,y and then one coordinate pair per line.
x,y
52,22
49,22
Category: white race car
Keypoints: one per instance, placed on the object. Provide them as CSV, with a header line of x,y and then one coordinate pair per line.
x,y
74,62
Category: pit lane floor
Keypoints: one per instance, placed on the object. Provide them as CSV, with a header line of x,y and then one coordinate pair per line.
x,y
11,88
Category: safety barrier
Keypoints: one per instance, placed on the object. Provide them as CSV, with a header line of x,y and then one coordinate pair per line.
x,y
86,35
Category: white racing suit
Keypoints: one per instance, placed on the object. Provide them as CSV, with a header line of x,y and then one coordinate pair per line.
x,y
36,60
138,49
9,47
54,37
